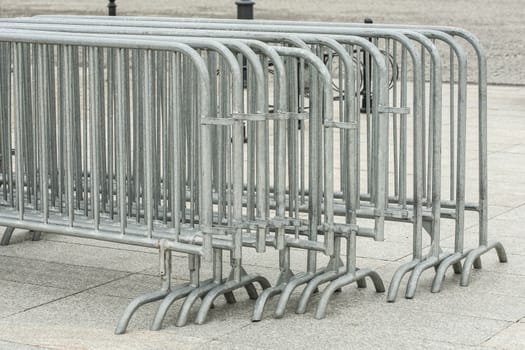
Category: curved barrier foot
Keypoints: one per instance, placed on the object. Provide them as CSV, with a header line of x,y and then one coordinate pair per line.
x,y
6,236
393,288
228,287
295,281
200,292
313,285
344,281
475,255
424,265
176,293
453,260
134,306
264,297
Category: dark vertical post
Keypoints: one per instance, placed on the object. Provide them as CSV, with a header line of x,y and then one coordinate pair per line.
x,y
245,9
112,8
367,76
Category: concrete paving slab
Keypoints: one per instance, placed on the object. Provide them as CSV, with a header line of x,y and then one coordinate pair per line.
x,y
515,267
475,302
513,245
72,338
18,346
18,297
131,286
96,315
95,243
506,285
48,274
74,254
377,327
221,345
87,320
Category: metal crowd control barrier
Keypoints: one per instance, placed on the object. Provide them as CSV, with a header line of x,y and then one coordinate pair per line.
x,y
178,167
456,200
418,164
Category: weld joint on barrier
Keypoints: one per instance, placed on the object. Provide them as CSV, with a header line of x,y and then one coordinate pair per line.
x,y
379,212
255,224
253,117
340,125
345,229
221,230
261,117
288,224
393,110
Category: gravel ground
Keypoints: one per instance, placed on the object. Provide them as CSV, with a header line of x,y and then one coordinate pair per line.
x,y
499,24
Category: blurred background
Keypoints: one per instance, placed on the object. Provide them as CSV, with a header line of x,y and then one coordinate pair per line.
x,y
500,25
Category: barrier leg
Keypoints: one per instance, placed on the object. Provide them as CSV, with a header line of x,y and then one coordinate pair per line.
x,y
196,294
6,236
296,281
453,260
314,284
285,276
149,297
424,265
393,288
475,254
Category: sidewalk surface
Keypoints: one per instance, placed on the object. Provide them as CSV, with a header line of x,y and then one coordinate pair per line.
x,y
67,293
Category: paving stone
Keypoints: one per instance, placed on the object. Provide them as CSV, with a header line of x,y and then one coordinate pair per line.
x,y
17,297
87,320
18,346
96,243
49,274
82,255
366,324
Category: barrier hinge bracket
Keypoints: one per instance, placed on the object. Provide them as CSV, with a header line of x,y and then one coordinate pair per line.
x,y
393,110
340,125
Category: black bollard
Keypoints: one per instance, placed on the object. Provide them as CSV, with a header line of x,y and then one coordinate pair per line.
x,y
245,9
366,77
112,8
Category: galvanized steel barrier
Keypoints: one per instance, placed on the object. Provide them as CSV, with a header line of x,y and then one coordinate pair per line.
x,y
131,130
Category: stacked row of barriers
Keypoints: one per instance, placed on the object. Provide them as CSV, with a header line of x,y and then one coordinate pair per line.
x,y
205,136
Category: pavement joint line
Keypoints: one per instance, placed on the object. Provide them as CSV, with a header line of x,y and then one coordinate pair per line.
x,y
447,342
511,209
67,296
36,285
97,246
508,147
498,332
17,343
68,264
